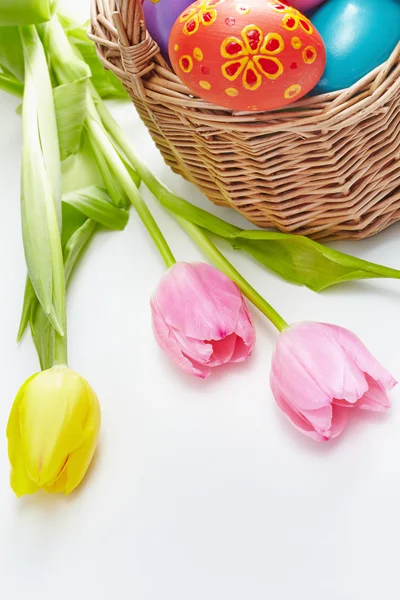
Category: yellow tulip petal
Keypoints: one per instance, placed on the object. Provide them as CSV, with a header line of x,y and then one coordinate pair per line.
x,y
19,479
20,483
51,422
79,461
59,484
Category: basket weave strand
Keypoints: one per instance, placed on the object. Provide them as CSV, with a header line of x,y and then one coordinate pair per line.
x,y
327,167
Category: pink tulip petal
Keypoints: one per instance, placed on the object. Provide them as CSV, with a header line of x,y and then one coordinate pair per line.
x,y
340,417
241,351
376,399
320,418
222,350
324,359
168,343
295,417
295,381
197,350
198,300
344,403
356,350
245,328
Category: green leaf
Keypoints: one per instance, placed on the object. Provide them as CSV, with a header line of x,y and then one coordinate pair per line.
x,y
295,258
76,244
106,83
41,175
80,170
111,183
24,12
9,84
70,105
35,189
37,73
11,52
133,174
301,260
41,329
66,64
68,23
95,203
72,221
28,309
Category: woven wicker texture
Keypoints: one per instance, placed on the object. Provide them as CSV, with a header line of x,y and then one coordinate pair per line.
x,y
329,167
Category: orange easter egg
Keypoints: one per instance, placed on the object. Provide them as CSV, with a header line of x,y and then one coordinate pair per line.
x,y
250,55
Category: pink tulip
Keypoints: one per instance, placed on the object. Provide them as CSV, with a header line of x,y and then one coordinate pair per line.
x,y
321,371
200,318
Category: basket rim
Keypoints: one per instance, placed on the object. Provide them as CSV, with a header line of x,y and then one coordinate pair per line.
x,y
118,29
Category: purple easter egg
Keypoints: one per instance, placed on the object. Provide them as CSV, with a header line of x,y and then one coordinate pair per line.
x,y
304,5
160,16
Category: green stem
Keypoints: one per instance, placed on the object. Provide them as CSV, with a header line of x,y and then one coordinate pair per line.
x,y
60,356
168,199
118,169
173,203
219,260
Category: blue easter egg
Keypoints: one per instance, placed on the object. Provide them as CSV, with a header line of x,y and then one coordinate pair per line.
x,y
359,35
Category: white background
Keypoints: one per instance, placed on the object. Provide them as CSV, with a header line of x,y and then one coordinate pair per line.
x,y
199,490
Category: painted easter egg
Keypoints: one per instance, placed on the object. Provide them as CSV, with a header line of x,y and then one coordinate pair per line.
x,y
359,35
304,6
160,15
251,55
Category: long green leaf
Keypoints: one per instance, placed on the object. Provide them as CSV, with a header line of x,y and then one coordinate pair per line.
x,y
28,309
301,260
95,203
41,329
72,221
66,64
11,85
36,192
11,52
70,105
76,244
105,82
36,70
295,258
80,170
41,175
114,189
24,12
75,224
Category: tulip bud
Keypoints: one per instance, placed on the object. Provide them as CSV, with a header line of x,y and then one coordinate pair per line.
x,y
320,373
52,432
200,318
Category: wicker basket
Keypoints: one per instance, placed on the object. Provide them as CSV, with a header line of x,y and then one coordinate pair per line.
x,y
329,167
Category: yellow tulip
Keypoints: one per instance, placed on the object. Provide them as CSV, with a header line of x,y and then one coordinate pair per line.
x,y
52,432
